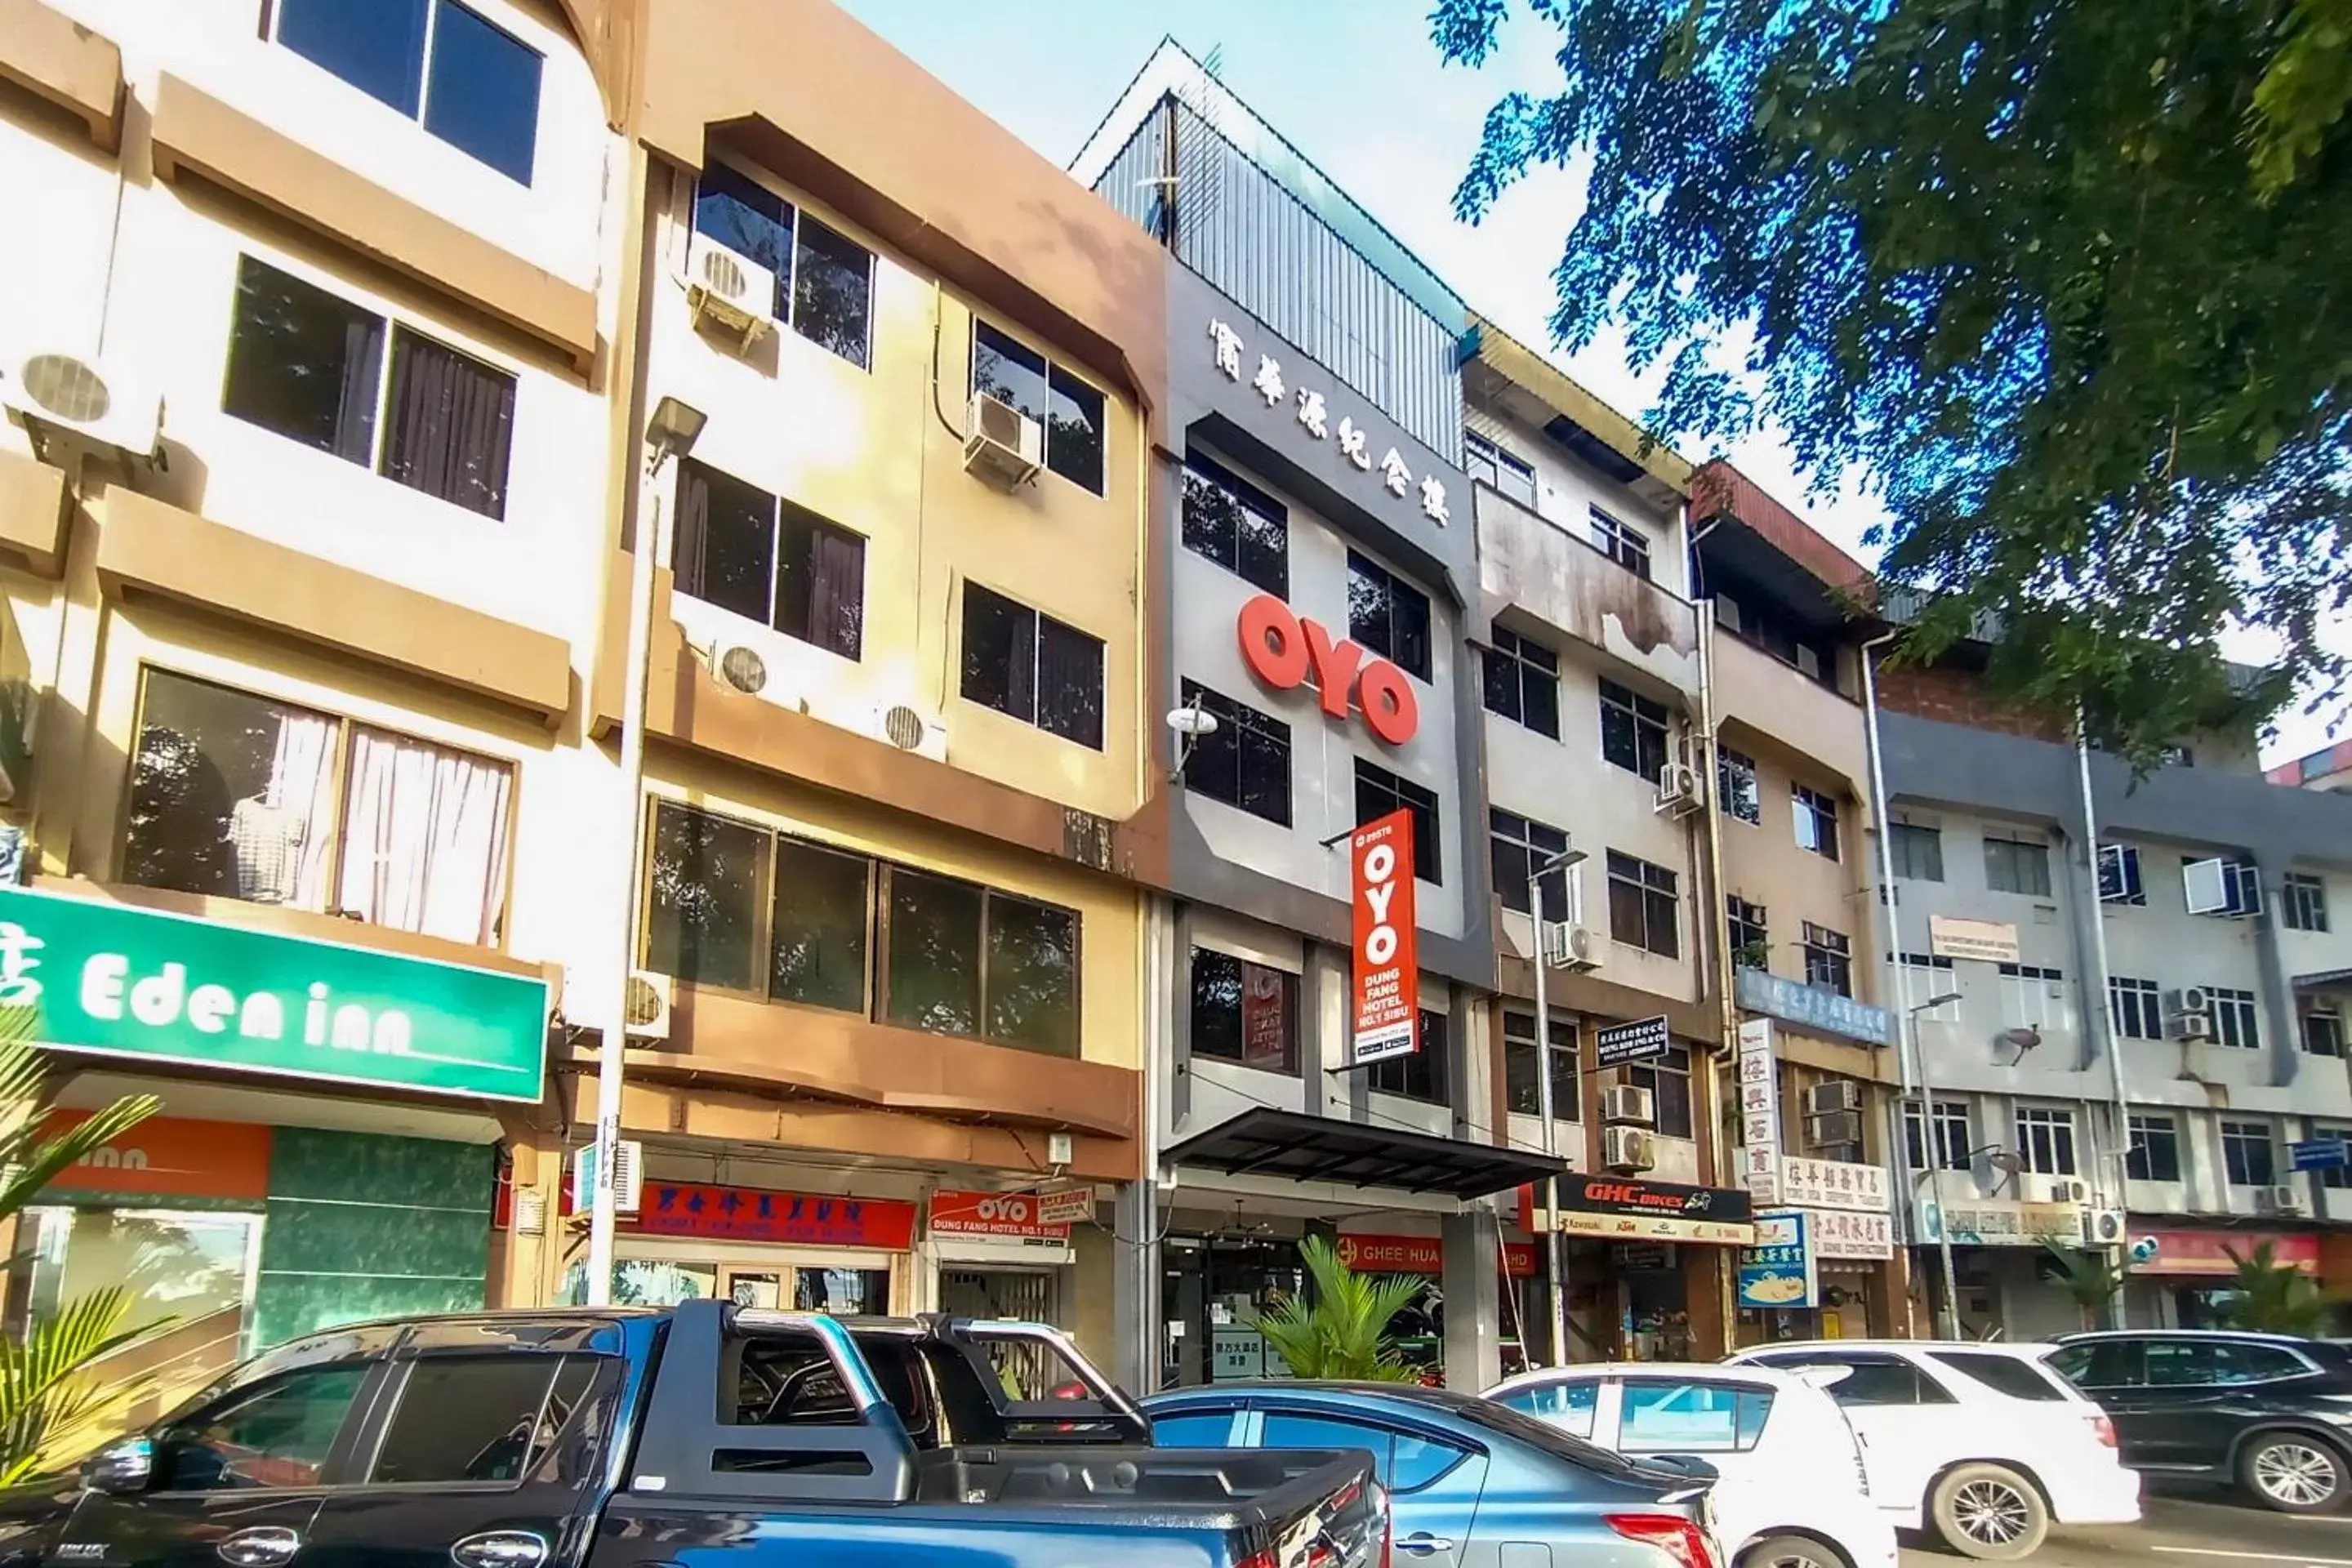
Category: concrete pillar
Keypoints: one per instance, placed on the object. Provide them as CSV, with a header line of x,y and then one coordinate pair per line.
x,y
1135,1287
1472,1249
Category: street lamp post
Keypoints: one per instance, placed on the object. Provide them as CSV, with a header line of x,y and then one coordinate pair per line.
x,y
1555,1259
1928,1142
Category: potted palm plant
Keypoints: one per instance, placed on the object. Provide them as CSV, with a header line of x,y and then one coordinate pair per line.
x,y
1344,1333
2273,1297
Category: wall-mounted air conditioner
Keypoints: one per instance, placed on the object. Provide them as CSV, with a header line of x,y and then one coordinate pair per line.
x,y
2056,1190
102,401
909,728
1565,944
1829,1099
1001,443
650,997
2102,1227
1681,791
2279,1200
1628,1148
729,289
628,1177
1838,1128
1628,1102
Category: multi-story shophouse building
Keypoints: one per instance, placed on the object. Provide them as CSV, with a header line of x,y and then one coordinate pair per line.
x,y
1323,598
2181,949
304,332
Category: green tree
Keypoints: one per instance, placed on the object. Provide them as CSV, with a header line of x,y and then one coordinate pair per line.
x,y
2273,1297
2091,1282
53,1408
2067,278
1344,1333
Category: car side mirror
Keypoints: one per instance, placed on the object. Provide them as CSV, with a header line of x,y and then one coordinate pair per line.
x,y
121,1469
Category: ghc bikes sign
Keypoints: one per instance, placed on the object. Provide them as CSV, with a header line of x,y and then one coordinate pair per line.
x,y
1281,647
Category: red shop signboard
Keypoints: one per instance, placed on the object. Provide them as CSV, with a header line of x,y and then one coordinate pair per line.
x,y
2202,1251
711,1213
1386,963
1007,1214
1282,648
1421,1255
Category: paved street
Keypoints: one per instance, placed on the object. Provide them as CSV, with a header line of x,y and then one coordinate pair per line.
x,y
2188,1530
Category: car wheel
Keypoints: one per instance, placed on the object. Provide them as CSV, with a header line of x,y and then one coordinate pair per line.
x,y
2293,1473
1789,1551
1991,1513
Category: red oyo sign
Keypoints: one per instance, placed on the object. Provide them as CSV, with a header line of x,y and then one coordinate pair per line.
x,y
1009,1215
1386,963
1281,647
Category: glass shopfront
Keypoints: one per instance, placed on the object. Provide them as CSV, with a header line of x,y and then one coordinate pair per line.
x,y
759,1247
1212,1288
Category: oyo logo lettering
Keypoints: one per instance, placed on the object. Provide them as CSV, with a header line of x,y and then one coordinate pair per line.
x,y
1379,886
1280,647
1011,1210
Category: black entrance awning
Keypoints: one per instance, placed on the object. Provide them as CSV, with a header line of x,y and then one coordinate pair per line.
x,y
1302,1148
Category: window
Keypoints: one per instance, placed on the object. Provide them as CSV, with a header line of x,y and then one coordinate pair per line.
x,y
1870,1380
2012,1375
2033,996
1522,1091
312,367
1379,792
1918,852
770,560
2137,1007
1026,664
1734,786
1245,1011
1498,465
1655,1416
1751,942
1829,960
1404,1461
1668,1080
1244,762
2105,1364
1518,847
824,281
2237,1021
2323,1034
2247,1154
2154,1155
1929,975
950,957
1065,407
1237,525
1622,542
1641,905
2119,880
275,1436
1952,1143
1632,732
2337,1177
235,795
1567,1405
1388,614
2306,902
1421,1075
2198,1364
1753,624
466,1418
1193,1429
474,85
1817,822
2224,888
2017,866
1523,682
2045,1140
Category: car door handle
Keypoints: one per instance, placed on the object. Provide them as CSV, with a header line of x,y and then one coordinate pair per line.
x,y
1423,1543
500,1549
264,1546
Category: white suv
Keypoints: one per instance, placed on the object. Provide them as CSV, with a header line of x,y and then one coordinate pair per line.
x,y
1981,1441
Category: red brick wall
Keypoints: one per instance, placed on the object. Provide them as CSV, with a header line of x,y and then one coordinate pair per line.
x,y
1958,697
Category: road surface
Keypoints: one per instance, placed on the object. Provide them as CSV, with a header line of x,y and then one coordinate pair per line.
x,y
2185,1529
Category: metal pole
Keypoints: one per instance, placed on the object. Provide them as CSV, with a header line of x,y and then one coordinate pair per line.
x,y
1898,973
611,1060
1556,1260
2103,1015
1930,1145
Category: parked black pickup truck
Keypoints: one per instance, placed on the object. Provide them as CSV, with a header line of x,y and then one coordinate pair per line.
x,y
704,1435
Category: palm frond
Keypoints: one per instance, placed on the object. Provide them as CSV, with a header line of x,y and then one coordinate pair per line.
x,y
2272,1297
54,1407
1344,1333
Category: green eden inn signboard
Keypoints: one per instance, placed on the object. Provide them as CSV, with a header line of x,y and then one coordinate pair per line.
x,y
125,981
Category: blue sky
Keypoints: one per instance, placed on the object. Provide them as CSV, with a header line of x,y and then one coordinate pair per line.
x,y
1357,86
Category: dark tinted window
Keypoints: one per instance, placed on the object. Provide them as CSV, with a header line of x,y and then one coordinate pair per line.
x,y
817,955
1235,525
448,424
1388,614
751,220
377,46
1245,762
1516,846
1421,1075
833,289
1066,408
278,1435
304,363
1870,1380
703,899
1633,731
770,560
483,95
1245,1011
1008,370
1522,682
1379,792
1032,976
1032,667
2006,1375
464,1419
934,953
1193,1429
2100,1363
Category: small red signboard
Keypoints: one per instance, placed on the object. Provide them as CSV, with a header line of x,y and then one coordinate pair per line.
x,y
713,1212
1012,1215
1386,962
1421,1255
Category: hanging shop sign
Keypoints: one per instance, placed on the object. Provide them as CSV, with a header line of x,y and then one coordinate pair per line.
x,y
1066,1205
117,981
708,1212
1850,1233
1835,1185
1812,1009
1314,421
1777,1270
1419,1255
1283,648
1628,1209
1012,1215
1760,1110
168,1157
1999,1222
1988,942
1387,951
1619,1045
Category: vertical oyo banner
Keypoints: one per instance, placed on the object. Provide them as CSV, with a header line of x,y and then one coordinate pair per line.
x,y
1386,963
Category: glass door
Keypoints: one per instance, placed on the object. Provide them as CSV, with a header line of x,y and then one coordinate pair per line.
x,y
189,1274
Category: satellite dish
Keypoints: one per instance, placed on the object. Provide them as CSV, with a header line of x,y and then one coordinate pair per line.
x,y
2006,1161
1192,722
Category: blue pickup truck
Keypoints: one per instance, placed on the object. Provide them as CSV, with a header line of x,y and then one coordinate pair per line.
x,y
701,1436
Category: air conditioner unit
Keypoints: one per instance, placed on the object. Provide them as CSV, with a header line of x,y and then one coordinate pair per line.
x,y
1628,1102
100,400
2279,1200
2102,1227
2056,1190
1568,945
1001,443
739,666
1680,792
2188,1001
1829,1099
650,997
728,289
910,729
628,1177
1628,1148
2192,1026
1840,1127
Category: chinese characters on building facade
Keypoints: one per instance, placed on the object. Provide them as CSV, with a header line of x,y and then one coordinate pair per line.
x,y
1315,419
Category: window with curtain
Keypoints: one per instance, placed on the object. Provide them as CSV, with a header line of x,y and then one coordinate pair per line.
x,y
1024,663
769,560
234,795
